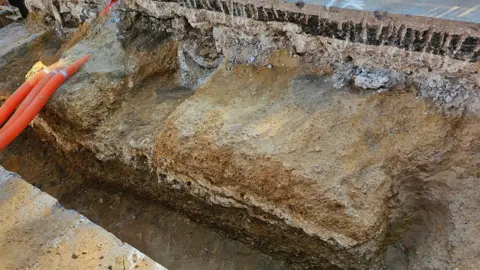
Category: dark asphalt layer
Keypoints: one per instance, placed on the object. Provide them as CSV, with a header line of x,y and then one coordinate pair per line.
x,y
459,10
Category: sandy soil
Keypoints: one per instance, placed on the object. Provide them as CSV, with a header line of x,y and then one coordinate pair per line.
x,y
161,233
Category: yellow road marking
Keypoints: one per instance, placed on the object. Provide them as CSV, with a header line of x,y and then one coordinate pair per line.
x,y
456,13
431,11
448,11
469,11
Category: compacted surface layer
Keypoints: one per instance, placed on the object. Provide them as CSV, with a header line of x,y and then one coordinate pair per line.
x,y
327,145
38,233
463,10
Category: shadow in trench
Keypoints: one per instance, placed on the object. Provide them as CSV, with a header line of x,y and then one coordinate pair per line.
x,y
166,236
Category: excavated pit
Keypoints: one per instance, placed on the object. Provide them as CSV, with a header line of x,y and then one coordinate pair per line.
x,y
327,144
149,225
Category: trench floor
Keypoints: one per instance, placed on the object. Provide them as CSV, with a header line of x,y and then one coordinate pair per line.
x,y
161,233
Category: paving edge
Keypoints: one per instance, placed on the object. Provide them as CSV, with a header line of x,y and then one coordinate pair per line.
x,y
31,218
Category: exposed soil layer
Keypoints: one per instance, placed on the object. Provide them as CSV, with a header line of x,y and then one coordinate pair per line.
x,y
316,149
22,58
166,236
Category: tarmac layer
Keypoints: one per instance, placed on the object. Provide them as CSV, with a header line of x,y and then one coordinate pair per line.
x,y
462,10
416,29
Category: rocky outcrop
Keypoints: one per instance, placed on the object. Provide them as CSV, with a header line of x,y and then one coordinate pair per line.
x,y
268,133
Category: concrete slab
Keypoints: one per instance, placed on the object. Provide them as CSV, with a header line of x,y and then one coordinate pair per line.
x,y
460,10
36,232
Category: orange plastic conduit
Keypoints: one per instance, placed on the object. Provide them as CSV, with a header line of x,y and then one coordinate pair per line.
x,y
12,102
30,97
7,135
108,7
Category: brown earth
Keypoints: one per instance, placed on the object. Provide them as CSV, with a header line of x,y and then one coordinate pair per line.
x,y
21,61
148,225
284,153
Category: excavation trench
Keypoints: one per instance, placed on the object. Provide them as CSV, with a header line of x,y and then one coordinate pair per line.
x,y
150,226
320,150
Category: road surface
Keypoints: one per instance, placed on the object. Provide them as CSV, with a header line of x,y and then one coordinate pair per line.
x,y
460,10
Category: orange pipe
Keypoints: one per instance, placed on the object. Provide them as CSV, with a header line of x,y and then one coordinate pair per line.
x,y
74,67
108,7
7,135
12,102
30,97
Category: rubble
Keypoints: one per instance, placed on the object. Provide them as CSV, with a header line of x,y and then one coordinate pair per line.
x,y
372,80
